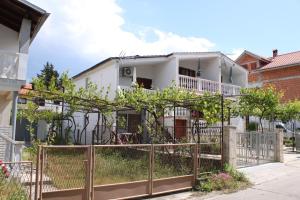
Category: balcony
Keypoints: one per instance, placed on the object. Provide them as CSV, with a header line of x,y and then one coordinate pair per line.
x,y
13,65
200,85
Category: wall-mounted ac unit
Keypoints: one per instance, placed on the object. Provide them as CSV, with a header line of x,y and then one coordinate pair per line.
x,y
127,71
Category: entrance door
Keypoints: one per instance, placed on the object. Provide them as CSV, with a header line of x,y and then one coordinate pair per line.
x,y
133,121
180,128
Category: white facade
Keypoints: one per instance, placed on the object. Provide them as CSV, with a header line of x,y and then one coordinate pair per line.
x,y
17,30
218,74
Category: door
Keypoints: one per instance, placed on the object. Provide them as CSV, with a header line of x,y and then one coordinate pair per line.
x,y
133,121
180,128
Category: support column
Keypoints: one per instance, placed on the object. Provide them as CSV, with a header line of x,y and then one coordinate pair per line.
x,y
14,122
24,42
279,145
229,145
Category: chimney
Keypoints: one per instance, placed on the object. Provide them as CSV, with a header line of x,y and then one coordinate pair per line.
x,y
275,53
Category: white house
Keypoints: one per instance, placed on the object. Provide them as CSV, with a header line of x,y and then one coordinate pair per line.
x,y
198,71
20,21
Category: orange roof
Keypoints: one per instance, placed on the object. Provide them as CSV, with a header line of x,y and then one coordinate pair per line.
x,y
25,88
287,59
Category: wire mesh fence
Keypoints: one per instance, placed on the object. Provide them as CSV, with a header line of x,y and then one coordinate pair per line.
x,y
210,148
100,169
63,168
121,163
173,160
15,180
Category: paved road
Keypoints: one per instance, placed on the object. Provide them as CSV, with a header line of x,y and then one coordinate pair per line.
x,y
275,181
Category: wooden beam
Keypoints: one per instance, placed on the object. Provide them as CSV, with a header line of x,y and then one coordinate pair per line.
x,y
9,23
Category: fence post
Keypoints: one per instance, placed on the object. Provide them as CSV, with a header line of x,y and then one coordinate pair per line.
x,y
279,145
229,145
88,164
151,163
195,163
38,157
257,145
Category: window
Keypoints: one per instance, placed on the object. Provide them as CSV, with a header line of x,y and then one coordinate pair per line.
x,y
187,72
253,66
144,82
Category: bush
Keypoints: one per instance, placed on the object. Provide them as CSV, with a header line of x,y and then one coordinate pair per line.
x,y
229,179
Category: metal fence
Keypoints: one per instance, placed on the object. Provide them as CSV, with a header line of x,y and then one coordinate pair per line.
x,y
116,171
297,142
255,148
16,180
210,148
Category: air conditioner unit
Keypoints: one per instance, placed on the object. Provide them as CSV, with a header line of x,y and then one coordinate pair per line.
x,y
127,71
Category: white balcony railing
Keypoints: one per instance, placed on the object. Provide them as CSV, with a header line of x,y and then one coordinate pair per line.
x,y
203,85
13,65
229,89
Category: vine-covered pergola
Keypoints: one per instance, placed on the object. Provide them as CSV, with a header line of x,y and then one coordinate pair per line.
x,y
152,106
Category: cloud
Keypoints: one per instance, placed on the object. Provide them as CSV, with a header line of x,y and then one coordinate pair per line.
x,y
94,29
235,53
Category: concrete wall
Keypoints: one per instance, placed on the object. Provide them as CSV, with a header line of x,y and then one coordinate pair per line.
x,y
209,67
104,76
9,40
166,73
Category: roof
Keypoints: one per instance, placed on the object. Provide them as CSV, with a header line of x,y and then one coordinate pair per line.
x,y
282,60
25,89
13,11
140,57
253,55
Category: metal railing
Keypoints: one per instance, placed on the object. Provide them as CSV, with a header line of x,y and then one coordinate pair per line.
x,y
255,148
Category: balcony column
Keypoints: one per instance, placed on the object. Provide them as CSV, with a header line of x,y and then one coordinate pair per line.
x,y
24,42
134,75
220,74
14,121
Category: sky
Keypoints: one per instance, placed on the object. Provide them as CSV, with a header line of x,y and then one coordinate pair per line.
x,y
80,33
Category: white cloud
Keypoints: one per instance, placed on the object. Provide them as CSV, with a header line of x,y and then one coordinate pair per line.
x,y
235,53
94,28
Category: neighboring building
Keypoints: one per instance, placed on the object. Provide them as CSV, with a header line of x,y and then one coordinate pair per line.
x,y
281,71
198,71
20,21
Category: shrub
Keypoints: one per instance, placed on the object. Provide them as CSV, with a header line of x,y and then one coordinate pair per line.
x,y
229,179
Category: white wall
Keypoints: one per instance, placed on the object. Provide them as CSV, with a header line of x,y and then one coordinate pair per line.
x,y
104,76
9,40
166,73
210,69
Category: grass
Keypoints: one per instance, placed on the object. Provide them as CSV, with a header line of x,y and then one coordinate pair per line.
x,y
66,168
11,190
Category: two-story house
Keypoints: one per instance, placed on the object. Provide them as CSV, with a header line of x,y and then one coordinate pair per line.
x,y
281,70
20,21
198,71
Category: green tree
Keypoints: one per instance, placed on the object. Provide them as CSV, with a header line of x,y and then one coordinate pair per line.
x,y
260,102
48,73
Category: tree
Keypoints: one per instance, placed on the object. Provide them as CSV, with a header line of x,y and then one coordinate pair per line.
x,y
48,73
260,102
289,111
